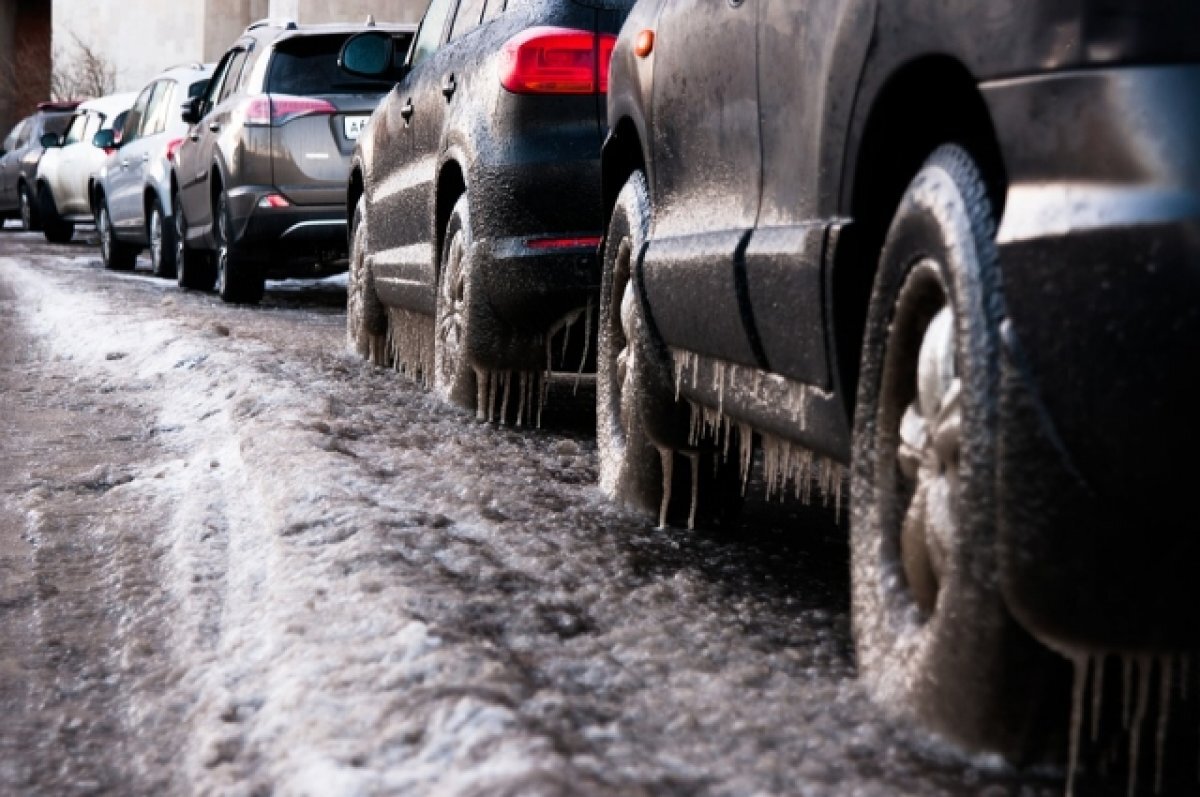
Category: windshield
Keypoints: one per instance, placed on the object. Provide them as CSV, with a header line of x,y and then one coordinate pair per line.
x,y
308,65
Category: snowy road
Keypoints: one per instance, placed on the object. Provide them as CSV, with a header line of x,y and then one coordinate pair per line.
x,y
235,559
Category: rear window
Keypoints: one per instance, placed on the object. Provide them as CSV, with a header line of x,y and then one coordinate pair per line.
x,y
307,65
56,123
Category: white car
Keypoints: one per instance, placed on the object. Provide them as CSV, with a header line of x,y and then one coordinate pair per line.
x,y
69,163
131,197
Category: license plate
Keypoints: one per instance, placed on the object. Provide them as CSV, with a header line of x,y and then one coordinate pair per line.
x,y
354,125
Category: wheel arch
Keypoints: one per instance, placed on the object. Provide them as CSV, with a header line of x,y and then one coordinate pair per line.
x,y
622,155
925,103
355,188
451,184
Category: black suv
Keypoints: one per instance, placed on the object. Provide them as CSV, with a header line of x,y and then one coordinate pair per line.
x,y
955,256
476,197
261,176
19,156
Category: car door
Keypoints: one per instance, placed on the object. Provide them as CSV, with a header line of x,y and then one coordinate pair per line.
x,y
71,162
135,156
810,59
406,167
124,192
8,166
707,174
196,168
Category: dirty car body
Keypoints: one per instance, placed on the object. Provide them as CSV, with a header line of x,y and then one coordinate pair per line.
x,y
466,120
775,171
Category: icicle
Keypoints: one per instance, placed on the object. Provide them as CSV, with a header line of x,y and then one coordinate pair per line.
x,y
1127,695
493,385
523,389
566,330
587,344
1164,714
506,381
1080,663
695,458
1145,664
667,456
1097,695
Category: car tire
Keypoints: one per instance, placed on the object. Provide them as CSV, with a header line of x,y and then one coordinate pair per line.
x,y
56,229
934,639
117,255
160,233
27,210
193,269
366,317
453,373
239,279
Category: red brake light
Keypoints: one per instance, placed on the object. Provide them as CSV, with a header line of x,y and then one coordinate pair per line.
x,y
276,109
173,148
548,60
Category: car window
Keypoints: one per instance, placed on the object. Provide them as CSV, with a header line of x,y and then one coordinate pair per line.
x,y
75,130
234,74
160,107
307,65
94,122
433,27
470,13
494,9
51,123
217,81
133,122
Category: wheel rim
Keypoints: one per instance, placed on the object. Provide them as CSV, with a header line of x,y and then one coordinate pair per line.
x,y
920,437
156,240
105,239
26,210
222,246
453,299
177,220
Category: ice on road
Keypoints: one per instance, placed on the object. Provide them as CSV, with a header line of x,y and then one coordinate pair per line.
x,y
299,574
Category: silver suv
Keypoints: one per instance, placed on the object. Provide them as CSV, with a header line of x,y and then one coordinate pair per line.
x,y
262,174
131,194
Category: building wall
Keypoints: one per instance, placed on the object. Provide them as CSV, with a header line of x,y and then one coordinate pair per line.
x,y
142,37
24,59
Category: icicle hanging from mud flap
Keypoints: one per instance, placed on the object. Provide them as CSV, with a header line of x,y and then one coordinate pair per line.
x,y
1079,664
410,339
497,386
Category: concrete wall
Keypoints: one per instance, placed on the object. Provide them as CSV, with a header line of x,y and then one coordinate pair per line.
x,y
142,37
139,37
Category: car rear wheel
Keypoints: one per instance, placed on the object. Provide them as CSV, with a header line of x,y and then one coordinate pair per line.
x,y
239,279
161,236
56,229
453,374
933,636
366,318
193,270
117,256
28,210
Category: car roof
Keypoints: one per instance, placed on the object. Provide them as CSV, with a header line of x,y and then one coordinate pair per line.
x,y
111,104
281,30
186,73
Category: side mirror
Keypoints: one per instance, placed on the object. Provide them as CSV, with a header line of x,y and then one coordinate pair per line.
x,y
105,139
369,54
50,140
192,110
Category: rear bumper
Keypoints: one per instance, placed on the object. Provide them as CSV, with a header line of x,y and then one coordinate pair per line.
x,y
305,232
525,294
1100,359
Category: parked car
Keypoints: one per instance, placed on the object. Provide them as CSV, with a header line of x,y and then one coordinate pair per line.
x,y
475,194
70,163
261,176
131,195
19,156
954,255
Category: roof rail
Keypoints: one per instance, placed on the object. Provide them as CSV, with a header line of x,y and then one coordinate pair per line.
x,y
286,24
185,65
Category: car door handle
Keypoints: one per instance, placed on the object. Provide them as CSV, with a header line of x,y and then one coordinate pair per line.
x,y
449,86
214,126
145,157
124,163
406,110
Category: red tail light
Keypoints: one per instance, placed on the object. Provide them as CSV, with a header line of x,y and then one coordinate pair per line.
x,y
173,148
556,61
276,109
